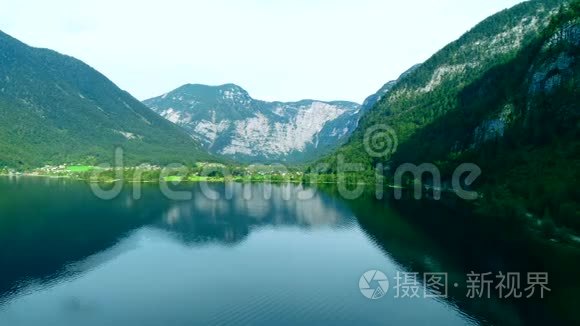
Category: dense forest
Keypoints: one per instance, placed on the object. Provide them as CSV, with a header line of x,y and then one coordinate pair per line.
x,y
505,97
56,109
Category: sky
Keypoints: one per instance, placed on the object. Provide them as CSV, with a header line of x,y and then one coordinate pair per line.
x,y
282,50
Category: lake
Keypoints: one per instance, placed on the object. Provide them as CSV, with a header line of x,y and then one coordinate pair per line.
x,y
262,257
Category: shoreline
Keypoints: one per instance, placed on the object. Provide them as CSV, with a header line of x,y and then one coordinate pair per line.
x,y
25,175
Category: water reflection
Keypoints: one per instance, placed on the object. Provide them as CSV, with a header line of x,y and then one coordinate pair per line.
x,y
60,229
425,237
55,232
230,220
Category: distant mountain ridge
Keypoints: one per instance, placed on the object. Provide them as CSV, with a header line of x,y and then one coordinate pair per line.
x,y
57,109
229,122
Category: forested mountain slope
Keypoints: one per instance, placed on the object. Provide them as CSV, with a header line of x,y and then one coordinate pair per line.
x,y
505,97
56,109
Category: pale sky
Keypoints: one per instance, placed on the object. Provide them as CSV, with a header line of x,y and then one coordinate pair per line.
x,y
276,50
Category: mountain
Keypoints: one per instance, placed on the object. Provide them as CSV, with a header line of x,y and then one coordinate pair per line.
x,y
504,97
229,122
372,100
56,109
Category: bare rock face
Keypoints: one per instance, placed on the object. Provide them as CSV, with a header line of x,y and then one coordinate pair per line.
x,y
550,75
557,68
228,122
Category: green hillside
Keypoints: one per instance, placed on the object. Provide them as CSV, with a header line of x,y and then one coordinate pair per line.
x,y
505,97
56,109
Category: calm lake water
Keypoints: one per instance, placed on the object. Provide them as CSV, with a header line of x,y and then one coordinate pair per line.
x,y
69,258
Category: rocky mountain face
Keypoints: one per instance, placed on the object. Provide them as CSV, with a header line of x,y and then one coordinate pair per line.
x,y
56,109
227,121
